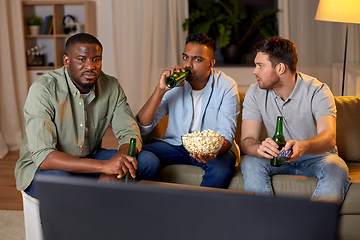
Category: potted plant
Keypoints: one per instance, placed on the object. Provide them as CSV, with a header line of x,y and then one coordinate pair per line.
x,y
231,25
34,23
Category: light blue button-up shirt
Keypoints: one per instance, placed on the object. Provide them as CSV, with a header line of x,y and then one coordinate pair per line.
x,y
219,109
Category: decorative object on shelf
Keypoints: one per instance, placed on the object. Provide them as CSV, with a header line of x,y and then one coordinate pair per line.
x,y
52,34
346,11
34,23
70,25
34,57
231,25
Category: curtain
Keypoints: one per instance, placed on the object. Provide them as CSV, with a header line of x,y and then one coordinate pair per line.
x,y
319,43
148,38
13,82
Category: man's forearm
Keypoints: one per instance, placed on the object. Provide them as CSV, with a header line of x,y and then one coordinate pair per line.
x,y
249,146
322,142
146,114
57,160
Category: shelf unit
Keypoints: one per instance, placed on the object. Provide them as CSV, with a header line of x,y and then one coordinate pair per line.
x,y
54,44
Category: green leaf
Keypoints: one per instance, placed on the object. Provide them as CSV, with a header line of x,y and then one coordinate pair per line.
x,y
224,35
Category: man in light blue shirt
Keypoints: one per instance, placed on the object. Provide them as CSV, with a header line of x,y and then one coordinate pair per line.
x,y
207,100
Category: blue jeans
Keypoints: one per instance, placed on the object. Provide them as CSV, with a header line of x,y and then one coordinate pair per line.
x,y
331,171
218,171
145,171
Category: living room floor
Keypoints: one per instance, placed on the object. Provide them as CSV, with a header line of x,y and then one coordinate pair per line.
x,y
10,197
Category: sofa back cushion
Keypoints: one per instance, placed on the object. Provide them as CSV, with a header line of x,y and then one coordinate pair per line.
x,y
238,127
348,127
263,133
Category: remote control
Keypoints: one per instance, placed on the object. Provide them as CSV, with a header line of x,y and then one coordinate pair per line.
x,y
284,155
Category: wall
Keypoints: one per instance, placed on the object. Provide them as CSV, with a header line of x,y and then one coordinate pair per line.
x,y
307,52
105,34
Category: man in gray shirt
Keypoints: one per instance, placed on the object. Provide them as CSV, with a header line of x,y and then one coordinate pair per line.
x,y
309,113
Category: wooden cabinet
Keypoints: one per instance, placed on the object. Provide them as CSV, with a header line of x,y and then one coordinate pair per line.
x,y
53,44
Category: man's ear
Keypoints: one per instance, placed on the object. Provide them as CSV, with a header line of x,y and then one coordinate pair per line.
x,y
66,61
280,68
212,63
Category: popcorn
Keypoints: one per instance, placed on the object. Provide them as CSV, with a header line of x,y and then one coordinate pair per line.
x,y
203,143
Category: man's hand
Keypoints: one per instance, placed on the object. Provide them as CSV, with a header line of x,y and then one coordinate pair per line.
x,y
119,165
268,149
298,149
203,159
165,74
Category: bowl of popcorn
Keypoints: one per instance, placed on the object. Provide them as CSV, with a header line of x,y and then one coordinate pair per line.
x,y
203,143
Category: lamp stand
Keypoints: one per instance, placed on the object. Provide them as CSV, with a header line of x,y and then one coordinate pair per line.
x,y
344,67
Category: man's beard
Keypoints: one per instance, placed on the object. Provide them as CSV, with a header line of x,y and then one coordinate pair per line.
x,y
273,83
85,86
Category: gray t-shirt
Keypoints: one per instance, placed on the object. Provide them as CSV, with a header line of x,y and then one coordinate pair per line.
x,y
309,100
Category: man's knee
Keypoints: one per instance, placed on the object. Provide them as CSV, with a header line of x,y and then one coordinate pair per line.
x,y
249,163
148,161
335,166
147,157
225,164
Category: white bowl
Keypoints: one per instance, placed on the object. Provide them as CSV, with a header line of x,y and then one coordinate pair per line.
x,y
202,145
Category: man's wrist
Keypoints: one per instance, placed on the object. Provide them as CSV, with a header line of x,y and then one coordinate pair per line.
x,y
159,91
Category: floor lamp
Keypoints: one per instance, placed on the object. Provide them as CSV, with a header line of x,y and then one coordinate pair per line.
x,y
346,11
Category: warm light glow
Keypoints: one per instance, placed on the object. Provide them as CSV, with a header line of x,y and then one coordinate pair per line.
x,y
347,11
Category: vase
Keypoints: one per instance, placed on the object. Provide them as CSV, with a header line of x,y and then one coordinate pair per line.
x,y
232,54
34,29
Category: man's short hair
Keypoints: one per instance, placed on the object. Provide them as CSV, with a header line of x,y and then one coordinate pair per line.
x,y
83,38
202,39
279,50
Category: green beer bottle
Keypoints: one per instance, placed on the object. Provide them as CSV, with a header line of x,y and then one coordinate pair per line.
x,y
131,152
177,78
279,139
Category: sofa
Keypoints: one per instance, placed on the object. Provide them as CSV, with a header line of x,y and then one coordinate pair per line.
x,y
348,143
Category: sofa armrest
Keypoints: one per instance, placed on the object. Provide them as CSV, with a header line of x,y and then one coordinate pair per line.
x,y
158,131
348,128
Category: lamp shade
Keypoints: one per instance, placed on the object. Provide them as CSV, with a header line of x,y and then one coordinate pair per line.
x,y
347,11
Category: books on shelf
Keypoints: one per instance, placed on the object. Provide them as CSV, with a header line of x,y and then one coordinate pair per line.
x,y
51,27
44,25
48,25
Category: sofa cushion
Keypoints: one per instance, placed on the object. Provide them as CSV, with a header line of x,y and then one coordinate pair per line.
x,y
347,127
351,204
183,174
